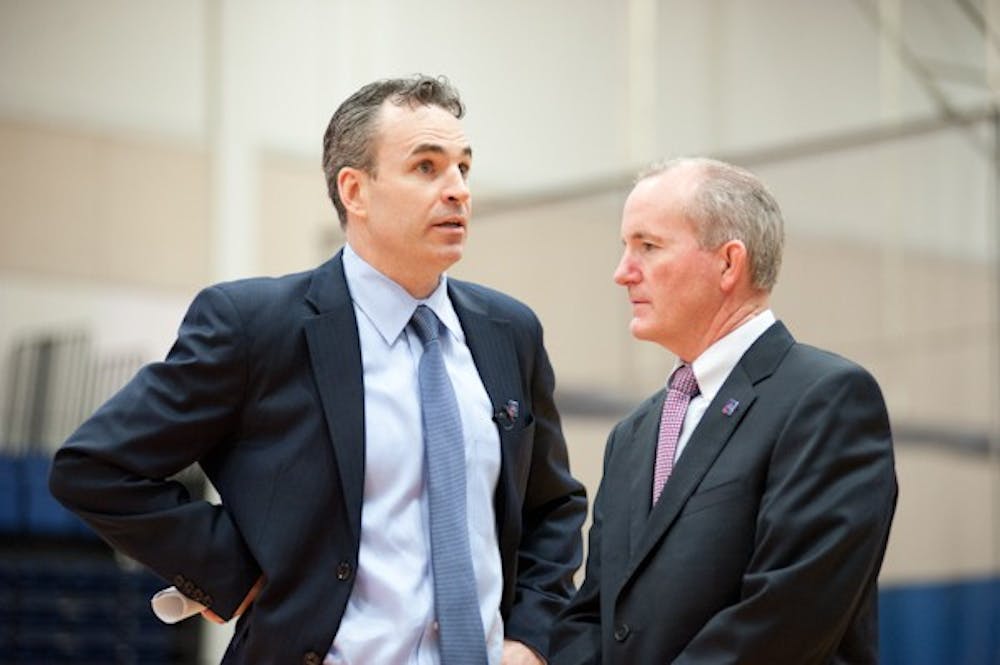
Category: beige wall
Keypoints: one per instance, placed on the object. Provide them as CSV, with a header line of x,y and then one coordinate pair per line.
x,y
947,519
103,207
299,225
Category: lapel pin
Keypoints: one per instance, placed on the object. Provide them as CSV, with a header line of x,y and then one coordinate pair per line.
x,y
730,407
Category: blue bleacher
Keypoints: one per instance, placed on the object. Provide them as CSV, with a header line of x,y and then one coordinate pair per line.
x,y
63,596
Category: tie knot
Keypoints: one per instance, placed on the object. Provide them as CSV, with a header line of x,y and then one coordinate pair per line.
x,y
425,324
683,381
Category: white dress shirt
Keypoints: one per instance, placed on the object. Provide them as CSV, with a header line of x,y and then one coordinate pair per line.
x,y
713,367
389,618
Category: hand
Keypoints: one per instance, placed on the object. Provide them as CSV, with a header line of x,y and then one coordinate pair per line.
x,y
251,595
517,653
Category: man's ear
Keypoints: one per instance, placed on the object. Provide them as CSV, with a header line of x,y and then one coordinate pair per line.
x,y
352,186
735,264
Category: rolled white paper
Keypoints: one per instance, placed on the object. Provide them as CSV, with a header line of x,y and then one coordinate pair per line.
x,y
171,606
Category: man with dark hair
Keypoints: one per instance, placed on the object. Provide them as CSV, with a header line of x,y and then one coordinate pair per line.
x,y
744,509
393,477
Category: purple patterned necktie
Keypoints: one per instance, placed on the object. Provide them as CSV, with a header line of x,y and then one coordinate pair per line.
x,y
683,386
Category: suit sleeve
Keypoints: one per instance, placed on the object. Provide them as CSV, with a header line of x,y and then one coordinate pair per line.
x,y
114,471
822,527
552,514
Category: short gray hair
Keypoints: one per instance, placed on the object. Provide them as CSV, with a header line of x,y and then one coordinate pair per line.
x,y
730,203
350,137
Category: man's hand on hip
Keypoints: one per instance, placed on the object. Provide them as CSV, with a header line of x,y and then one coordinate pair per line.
x,y
516,653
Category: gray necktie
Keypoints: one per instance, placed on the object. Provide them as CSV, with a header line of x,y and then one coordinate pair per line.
x,y
455,599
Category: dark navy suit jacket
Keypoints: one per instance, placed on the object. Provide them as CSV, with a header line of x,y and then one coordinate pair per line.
x,y
263,388
765,545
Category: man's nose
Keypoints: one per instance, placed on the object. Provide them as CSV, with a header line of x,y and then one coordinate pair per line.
x,y
457,187
625,273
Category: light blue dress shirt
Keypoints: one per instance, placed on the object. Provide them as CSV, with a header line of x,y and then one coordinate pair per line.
x,y
390,615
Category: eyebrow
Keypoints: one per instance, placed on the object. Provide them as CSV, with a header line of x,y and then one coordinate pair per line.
x,y
437,148
641,236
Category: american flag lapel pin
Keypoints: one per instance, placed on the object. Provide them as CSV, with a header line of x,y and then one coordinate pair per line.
x,y
730,407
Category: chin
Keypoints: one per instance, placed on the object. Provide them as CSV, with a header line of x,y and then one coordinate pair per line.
x,y
639,330
449,256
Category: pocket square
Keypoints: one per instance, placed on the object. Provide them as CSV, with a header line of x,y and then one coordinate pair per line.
x,y
507,415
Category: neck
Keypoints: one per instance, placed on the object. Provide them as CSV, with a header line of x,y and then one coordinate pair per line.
x,y
726,320
418,281
741,315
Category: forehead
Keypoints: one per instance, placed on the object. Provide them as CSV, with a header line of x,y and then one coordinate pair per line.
x,y
656,204
406,129
657,210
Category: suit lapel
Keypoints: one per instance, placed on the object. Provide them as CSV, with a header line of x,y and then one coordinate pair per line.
x,y
643,457
490,344
706,443
704,446
492,347
335,353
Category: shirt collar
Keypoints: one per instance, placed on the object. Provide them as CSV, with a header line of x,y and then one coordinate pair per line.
x,y
388,305
714,365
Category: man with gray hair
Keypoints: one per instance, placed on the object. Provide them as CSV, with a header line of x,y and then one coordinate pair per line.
x,y
744,509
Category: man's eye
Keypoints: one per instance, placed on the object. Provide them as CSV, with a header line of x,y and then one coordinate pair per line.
x,y
425,167
464,170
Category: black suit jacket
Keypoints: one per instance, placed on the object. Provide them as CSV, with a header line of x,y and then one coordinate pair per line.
x,y
263,388
767,540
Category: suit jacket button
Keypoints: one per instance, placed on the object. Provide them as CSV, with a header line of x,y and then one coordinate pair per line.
x,y
622,632
344,571
311,658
